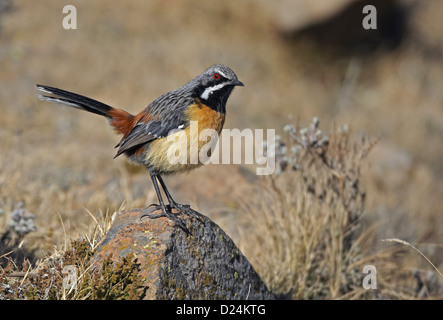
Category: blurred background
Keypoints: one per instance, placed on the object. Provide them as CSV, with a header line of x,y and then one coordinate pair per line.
x,y
299,59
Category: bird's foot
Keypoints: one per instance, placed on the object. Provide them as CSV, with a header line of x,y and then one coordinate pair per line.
x,y
182,208
186,209
155,207
148,212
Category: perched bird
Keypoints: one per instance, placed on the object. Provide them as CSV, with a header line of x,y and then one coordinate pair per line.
x,y
147,135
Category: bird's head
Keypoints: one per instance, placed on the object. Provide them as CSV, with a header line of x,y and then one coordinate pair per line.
x,y
214,86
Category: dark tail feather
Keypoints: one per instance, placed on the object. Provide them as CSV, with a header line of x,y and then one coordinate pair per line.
x,y
74,100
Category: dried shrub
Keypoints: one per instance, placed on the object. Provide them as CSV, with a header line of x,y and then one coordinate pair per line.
x,y
112,280
304,226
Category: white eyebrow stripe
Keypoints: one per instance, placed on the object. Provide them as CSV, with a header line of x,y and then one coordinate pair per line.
x,y
208,91
224,75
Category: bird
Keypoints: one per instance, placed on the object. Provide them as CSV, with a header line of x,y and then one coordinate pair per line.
x,y
147,136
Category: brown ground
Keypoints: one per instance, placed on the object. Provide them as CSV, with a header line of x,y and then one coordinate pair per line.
x,y
59,161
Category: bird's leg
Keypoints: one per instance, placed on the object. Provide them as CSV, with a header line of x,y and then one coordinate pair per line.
x,y
183,208
172,202
165,212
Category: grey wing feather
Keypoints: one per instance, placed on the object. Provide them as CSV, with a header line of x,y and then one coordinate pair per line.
x,y
168,109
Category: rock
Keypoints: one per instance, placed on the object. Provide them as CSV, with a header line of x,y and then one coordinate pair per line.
x,y
337,24
205,264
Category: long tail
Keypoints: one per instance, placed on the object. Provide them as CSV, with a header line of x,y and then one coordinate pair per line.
x,y
118,118
74,100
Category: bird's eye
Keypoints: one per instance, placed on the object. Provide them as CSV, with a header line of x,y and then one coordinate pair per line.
x,y
216,76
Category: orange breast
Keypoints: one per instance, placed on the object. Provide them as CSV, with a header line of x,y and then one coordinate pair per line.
x,y
159,154
206,117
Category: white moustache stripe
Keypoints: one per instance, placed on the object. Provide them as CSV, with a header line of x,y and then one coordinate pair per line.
x,y
208,91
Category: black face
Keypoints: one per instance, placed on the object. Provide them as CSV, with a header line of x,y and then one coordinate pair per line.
x,y
215,87
217,100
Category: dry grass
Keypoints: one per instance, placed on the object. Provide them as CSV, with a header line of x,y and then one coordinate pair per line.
x,y
58,162
309,218
421,253
49,277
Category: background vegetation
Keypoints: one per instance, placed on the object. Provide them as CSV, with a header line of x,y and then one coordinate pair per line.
x,y
308,230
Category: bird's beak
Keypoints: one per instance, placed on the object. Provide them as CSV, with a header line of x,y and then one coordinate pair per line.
x,y
238,83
